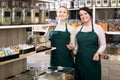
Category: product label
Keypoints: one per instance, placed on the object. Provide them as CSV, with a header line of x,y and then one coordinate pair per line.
x,y
28,14
6,14
105,1
18,13
36,14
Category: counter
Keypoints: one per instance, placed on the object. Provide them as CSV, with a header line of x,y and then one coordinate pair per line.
x,y
51,73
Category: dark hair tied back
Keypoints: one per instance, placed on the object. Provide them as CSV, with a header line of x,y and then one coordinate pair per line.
x,y
89,11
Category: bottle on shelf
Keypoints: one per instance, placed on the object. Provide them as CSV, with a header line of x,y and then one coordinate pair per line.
x,y
34,14
98,3
88,3
81,3
26,13
105,3
76,4
113,3
43,14
118,3
16,12
5,13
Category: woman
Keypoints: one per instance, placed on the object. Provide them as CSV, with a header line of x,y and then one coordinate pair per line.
x,y
61,37
90,43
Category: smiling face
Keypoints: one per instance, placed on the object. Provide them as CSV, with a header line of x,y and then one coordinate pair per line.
x,y
62,13
84,16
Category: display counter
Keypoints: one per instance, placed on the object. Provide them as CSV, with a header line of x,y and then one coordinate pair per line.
x,y
50,73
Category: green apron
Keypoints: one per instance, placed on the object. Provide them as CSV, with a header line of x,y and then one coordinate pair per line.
x,y
85,67
61,56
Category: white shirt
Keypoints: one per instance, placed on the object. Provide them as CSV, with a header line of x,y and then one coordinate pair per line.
x,y
62,27
99,31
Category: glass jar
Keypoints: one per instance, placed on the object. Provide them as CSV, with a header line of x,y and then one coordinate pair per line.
x,y
98,3
26,13
118,3
34,14
76,4
113,3
5,13
43,14
88,3
16,13
105,2
81,3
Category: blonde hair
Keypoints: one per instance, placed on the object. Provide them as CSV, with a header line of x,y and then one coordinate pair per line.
x,y
65,8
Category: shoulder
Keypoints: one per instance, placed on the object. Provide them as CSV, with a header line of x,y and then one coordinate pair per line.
x,y
78,29
98,27
70,28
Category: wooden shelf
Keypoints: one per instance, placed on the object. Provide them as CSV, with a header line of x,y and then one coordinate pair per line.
x,y
46,1
113,33
90,8
23,26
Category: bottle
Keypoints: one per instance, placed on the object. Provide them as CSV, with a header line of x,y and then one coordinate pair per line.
x,y
113,3
81,3
99,3
34,14
26,13
16,13
88,3
43,14
106,3
57,4
118,3
5,13
76,4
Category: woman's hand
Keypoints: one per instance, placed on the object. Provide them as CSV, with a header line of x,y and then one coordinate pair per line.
x,y
70,46
96,56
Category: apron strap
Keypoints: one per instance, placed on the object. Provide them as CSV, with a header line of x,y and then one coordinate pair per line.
x,y
92,28
81,28
66,27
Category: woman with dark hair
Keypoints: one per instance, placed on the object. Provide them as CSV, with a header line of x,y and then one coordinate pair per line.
x,y
90,43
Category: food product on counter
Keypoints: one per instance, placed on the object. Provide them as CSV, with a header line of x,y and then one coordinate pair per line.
x,y
2,53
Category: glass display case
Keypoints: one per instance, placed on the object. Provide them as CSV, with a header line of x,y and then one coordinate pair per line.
x,y
51,73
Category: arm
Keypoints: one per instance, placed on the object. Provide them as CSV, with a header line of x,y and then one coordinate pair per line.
x,y
102,42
